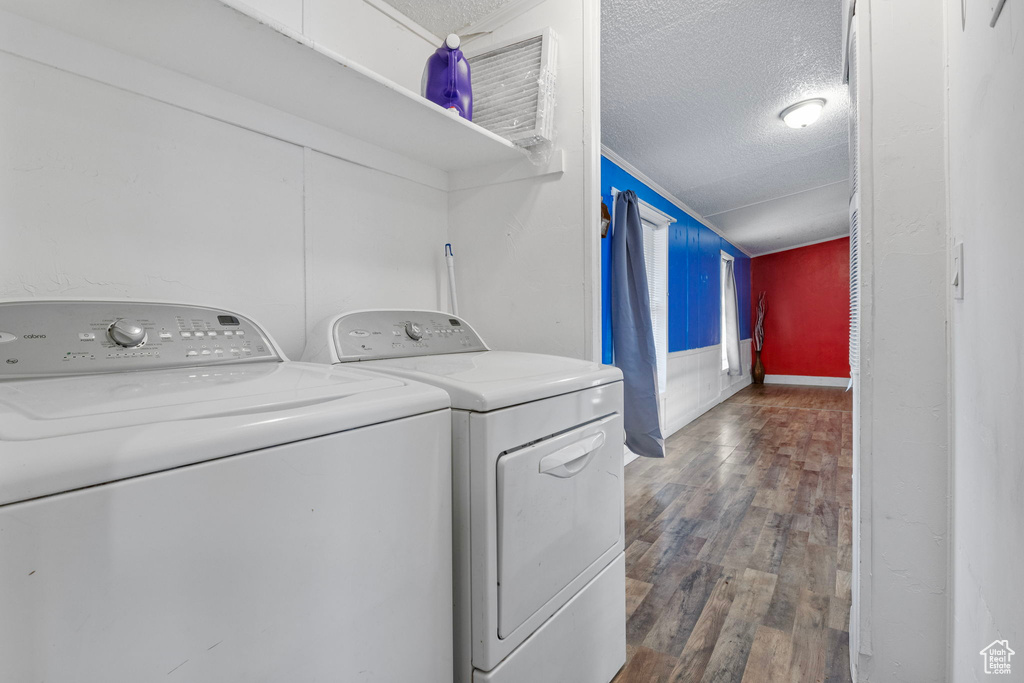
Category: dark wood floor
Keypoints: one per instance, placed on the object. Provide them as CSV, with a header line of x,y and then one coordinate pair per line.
x,y
738,544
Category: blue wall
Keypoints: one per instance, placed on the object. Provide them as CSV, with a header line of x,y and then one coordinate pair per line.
x,y
693,271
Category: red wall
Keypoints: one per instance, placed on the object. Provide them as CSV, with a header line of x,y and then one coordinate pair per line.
x,y
807,326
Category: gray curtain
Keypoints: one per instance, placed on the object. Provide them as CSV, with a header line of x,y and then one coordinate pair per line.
x,y
632,331
732,320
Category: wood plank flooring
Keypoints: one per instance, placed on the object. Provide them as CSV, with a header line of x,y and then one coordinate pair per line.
x,y
738,544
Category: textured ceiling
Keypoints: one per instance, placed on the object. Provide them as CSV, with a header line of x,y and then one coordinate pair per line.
x,y
788,221
442,17
690,95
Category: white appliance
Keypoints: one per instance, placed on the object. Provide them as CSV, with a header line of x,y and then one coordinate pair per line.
x,y
179,503
538,497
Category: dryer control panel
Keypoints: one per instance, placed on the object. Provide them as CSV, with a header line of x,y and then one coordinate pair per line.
x,y
52,338
372,335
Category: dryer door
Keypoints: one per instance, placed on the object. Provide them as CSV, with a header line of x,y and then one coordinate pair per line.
x,y
559,505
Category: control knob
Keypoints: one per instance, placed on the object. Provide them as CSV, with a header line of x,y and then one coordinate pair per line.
x,y
414,331
127,333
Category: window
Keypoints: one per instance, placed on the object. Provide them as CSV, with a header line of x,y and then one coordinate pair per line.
x,y
655,225
730,317
722,274
656,261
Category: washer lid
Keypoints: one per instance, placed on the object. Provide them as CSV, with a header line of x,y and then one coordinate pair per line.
x,y
489,380
67,433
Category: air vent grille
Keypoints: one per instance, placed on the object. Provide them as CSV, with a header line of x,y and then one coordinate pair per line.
x,y
855,233
854,285
514,89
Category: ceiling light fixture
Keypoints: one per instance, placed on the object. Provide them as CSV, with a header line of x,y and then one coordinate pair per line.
x,y
803,114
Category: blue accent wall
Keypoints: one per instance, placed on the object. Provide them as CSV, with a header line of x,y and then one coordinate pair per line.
x,y
693,271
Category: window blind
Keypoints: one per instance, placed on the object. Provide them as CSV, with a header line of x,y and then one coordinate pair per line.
x,y
855,241
656,261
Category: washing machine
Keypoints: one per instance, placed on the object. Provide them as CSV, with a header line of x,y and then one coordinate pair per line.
x,y
177,502
537,457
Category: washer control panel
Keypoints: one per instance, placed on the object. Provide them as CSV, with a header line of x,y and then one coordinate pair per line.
x,y
371,335
44,338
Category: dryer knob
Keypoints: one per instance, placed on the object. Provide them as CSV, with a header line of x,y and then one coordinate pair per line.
x,y
127,333
414,331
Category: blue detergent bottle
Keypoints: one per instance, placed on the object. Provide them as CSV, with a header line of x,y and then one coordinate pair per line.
x,y
446,78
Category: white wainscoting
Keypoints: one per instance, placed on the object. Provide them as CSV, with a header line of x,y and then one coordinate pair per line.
x,y
807,380
697,384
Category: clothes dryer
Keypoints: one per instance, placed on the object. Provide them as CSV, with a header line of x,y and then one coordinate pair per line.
x,y
538,493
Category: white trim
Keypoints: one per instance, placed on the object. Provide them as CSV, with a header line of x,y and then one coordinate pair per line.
x,y
649,212
861,642
496,19
643,178
848,10
807,380
689,352
723,396
735,388
802,245
592,320
392,13
701,349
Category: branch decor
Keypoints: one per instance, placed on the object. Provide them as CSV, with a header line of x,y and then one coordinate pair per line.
x,y
757,373
762,306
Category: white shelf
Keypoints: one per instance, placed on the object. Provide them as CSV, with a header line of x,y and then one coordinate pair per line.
x,y
225,47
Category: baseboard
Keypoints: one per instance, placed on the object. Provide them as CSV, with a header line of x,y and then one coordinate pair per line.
x,y
807,380
689,417
686,419
734,389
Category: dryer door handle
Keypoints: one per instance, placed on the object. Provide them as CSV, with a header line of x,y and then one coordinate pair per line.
x,y
570,461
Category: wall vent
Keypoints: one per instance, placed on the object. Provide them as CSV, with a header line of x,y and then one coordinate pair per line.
x,y
514,88
855,284
855,241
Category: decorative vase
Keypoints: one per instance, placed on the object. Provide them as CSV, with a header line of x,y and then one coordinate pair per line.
x,y
757,375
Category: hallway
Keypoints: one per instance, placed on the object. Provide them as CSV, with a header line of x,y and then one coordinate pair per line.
x,y
738,544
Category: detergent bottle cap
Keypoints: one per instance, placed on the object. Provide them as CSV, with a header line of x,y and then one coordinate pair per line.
x,y
452,41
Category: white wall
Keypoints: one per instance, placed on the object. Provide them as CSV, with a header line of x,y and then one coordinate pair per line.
x,y
903,463
986,168
106,193
123,179
372,240
696,383
526,252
